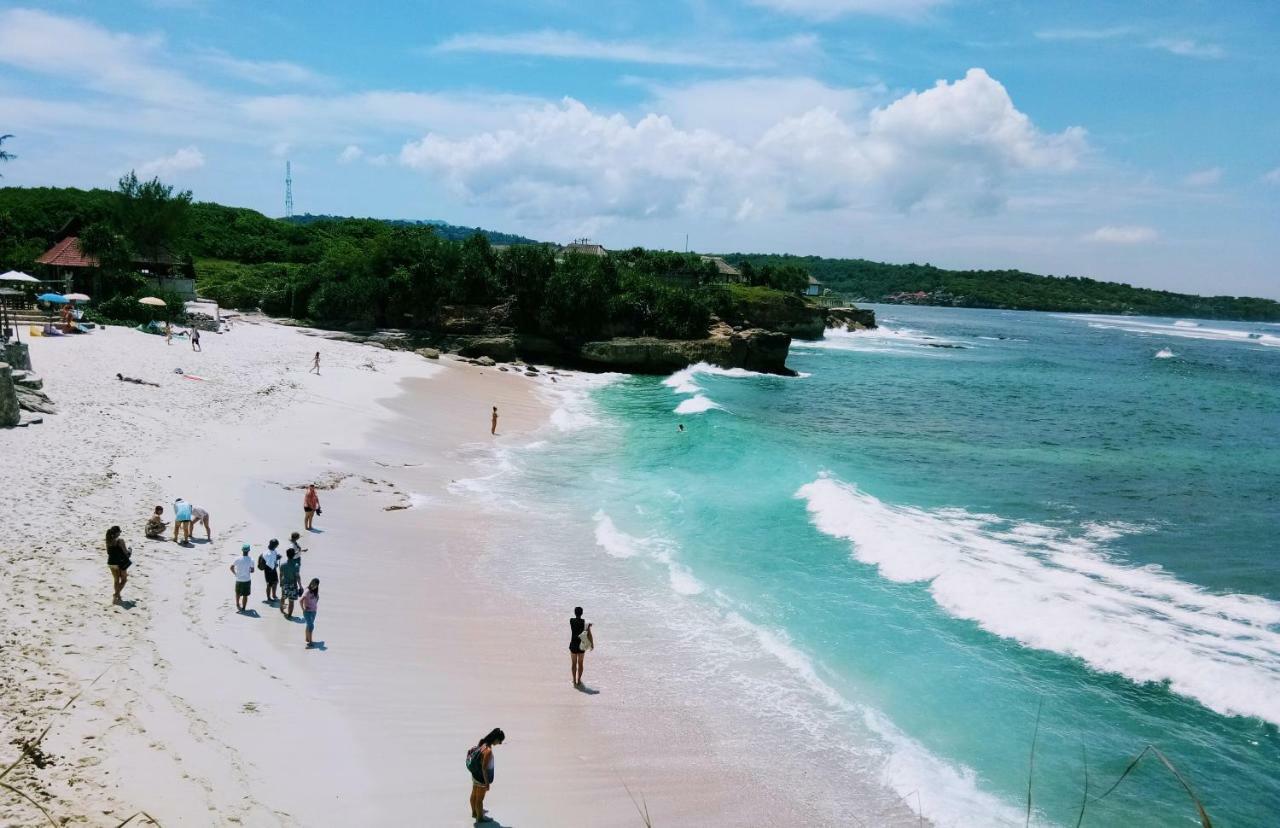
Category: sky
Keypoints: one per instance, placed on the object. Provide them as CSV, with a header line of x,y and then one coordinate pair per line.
x,y
1135,142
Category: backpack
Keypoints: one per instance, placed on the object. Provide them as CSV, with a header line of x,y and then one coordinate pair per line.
x,y
262,564
472,755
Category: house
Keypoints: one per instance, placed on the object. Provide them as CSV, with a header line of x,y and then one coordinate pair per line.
x,y
814,288
585,247
725,272
65,261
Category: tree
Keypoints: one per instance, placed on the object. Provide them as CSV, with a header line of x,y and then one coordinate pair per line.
x,y
5,156
151,216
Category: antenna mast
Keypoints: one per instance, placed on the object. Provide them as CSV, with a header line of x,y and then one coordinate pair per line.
x,y
288,189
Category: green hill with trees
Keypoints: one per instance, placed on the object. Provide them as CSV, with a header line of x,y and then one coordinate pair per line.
x,y
863,280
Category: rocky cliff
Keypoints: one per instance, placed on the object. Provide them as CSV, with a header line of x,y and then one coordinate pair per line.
x,y
754,349
855,319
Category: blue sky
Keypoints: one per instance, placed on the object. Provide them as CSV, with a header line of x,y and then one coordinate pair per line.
x,y
1136,141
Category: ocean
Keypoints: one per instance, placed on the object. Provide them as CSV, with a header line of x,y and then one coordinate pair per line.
x,y
966,555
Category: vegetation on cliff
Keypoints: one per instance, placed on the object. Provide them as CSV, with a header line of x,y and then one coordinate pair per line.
x,y
859,279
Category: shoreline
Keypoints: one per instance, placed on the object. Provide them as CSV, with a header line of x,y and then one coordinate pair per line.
x,y
203,710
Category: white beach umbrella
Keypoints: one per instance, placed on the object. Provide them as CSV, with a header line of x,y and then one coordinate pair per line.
x,y
16,276
151,300
77,297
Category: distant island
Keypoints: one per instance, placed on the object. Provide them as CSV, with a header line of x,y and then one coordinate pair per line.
x,y
914,284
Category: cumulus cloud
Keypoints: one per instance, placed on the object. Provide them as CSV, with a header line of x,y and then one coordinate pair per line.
x,y
954,145
187,158
571,45
1203,178
349,154
1122,234
831,9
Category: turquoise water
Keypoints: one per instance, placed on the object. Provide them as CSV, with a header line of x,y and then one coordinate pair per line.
x,y
907,551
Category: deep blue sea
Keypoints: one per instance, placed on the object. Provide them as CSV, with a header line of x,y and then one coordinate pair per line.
x,y
938,531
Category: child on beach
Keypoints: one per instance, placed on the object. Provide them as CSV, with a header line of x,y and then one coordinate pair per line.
x,y
243,570
480,764
290,582
181,520
310,603
310,506
195,339
154,530
118,561
268,563
315,365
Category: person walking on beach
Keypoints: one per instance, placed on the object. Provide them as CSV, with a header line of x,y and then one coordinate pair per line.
x,y
200,517
119,557
269,562
580,642
243,570
310,506
154,530
480,764
310,603
195,338
290,582
168,334
315,365
493,421
182,520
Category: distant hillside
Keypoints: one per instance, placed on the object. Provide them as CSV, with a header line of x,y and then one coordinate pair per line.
x,y
443,229
860,279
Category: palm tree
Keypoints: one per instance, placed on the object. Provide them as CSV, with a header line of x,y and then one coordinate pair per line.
x,y
5,156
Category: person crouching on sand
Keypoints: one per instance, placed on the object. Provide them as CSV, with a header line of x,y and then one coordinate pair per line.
x,y
243,570
154,530
480,764
269,562
310,603
310,506
199,517
290,582
580,641
118,561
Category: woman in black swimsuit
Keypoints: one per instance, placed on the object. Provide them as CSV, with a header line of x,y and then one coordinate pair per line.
x,y
576,628
118,560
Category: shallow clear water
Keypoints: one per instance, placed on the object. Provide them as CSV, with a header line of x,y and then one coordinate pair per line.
x,y
907,551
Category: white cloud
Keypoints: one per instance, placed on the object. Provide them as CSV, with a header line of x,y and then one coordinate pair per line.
x,y
1084,34
1122,234
351,153
262,72
559,44
1186,47
832,9
187,158
954,145
81,51
1203,178
1272,176
746,108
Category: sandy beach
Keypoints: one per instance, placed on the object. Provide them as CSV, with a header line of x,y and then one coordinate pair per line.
x,y
195,715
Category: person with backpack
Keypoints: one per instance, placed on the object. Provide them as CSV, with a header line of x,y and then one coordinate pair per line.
x,y
268,563
480,766
119,558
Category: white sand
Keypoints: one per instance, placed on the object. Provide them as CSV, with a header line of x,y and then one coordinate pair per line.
x,y
203,716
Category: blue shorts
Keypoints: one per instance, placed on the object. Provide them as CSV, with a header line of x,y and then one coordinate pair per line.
x,y
310,617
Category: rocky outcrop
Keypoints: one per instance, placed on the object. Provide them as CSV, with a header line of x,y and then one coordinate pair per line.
x,y
29,389
10,413
498,348
855,319
754,349
429,353
776,311
17,355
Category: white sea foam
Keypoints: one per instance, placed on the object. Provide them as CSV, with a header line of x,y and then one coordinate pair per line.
x,y
1049,590
949,794
696,404
619,544
899,341
1182,329
572,408
1165,353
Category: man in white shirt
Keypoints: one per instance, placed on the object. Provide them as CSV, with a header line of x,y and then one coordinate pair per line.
x,y
243,570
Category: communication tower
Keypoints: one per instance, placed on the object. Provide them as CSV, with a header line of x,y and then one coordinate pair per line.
x,y
288,189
